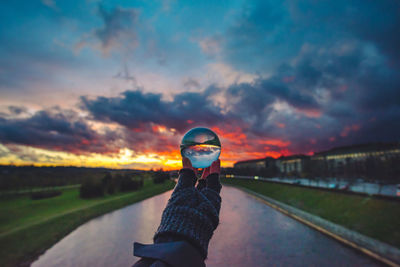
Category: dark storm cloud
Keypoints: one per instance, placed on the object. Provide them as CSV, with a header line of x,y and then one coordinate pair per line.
x,y
376,22
269,33
54,129
342,94
134,109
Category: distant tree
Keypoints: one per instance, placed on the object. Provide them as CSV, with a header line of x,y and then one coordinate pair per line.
x,y
91,189
160,176
129,184
108,184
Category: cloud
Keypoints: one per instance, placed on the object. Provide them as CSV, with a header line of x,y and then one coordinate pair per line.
x,y
50,3
190,83
307,96
134,109
270,78
210,46
17,110
267,33
118,33
55,129
119,25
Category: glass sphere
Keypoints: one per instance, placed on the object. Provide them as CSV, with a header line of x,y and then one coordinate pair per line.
x,y
201,146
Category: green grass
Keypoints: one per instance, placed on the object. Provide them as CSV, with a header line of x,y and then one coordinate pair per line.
x,y
376,218
36,189
29,227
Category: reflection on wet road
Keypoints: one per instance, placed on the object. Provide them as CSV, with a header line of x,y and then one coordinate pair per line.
x,y
250,234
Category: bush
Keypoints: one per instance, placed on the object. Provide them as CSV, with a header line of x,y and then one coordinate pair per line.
x,y
108,184
127,184
160,176
91,189
45,194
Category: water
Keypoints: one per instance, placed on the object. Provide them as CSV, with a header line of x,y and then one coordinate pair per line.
x,y
250,233
201,146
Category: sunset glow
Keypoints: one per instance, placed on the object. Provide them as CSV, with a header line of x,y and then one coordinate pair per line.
x,y
118,84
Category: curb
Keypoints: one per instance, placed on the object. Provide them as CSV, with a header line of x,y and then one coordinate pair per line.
x,y
380,251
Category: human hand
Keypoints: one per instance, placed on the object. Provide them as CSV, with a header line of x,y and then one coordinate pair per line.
x,y
187,164
214,168
192,214
210,177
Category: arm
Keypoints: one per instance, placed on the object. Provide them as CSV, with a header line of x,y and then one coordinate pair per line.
x,y
188,221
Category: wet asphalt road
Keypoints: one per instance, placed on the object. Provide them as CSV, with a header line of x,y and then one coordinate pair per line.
x,y
250,234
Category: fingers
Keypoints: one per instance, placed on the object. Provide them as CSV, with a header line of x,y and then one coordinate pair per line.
x,y
201,184
186,164
187,178
215,167
187,175
211,177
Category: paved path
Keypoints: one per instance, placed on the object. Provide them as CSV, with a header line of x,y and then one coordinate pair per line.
x,y
250,234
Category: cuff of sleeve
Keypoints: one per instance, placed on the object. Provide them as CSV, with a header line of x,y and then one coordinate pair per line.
x,y
179,254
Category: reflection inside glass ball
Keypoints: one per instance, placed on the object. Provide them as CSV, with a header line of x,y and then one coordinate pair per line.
x,y
201,146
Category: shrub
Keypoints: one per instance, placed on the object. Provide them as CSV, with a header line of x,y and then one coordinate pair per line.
x,y
127,184
108,184
45,194
91,189
160,176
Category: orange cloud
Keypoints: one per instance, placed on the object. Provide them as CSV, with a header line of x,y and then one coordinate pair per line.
x,y
159,128
275,142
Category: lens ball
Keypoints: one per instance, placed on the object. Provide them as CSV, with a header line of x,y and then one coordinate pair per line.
x,y
202,146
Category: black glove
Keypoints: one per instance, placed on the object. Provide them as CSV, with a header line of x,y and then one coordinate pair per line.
x,y
192,214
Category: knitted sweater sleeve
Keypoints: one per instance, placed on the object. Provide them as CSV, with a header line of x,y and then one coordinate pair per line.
x,y
190,215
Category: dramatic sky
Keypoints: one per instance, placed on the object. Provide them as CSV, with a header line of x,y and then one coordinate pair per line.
x,y
118,83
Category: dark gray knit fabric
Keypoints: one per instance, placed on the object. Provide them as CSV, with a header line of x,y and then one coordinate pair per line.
x,y
191,214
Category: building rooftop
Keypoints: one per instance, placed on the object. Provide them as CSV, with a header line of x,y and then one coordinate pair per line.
x,y
298,156
369,147
254,160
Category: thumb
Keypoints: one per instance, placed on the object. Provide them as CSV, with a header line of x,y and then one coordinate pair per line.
x,y
215,167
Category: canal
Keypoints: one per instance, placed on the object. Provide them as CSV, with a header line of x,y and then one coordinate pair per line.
x,y
250,234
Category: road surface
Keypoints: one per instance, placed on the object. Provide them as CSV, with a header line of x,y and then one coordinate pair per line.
x,y
250,234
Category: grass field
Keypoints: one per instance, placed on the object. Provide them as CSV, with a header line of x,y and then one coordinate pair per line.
x,y
376,218
28,227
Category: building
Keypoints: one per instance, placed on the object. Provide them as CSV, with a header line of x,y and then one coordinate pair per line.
x,y
292,165
369,160
372,161
255,164
380,151
260,167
